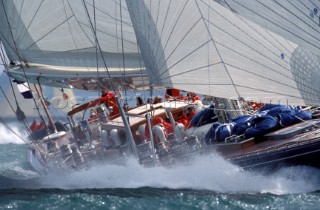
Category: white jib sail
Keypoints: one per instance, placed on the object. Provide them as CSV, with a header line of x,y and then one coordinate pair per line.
x,y
56,39
264,51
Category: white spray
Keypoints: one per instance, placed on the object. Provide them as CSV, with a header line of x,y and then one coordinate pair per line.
x,y
7,136
204,173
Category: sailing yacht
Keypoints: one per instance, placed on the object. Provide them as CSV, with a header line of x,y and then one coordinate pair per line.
x,y
266,52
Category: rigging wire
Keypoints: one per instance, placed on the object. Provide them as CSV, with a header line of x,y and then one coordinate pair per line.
x,y
41,97
208,57
148,53
27,28
24,123
116,26
161,64
10,129
49,32
264,37
141,73
19,15
80,24
175,24
231,49
19,113
178,44
2,56
276,54
71,32
8,44
97,58
99,47
271,43
7,99
17,52
123,58
6,64
219,54
163,26
148,49
14,94
281,26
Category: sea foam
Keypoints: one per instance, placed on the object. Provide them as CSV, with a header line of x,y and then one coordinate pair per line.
x,y
211,173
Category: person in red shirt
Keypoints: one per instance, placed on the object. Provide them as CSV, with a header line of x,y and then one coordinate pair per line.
x,y
191,97
172,93
186,119
108,98
158,121
35,126
255,106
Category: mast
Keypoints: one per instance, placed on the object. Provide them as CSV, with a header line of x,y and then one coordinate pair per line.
x,y
122,113
45,108
127,128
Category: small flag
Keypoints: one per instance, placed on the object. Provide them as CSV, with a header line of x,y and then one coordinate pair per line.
x,y
24,89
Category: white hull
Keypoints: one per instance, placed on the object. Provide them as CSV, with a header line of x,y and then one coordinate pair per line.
x,y
35,162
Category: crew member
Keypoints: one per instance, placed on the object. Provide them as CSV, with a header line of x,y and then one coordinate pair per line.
x,y
191,96
255,106
109,99
35,126
172,93
187,117
160,128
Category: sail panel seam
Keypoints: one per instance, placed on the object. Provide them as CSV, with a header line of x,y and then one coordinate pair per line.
x,y
214,43
21,39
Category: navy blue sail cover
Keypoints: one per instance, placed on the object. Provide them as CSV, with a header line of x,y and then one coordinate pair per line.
x,y
218,132
205,116
269,118
293,116
241,124
261,125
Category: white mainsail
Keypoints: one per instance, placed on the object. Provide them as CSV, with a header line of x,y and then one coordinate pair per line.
x,y
55,40
267,51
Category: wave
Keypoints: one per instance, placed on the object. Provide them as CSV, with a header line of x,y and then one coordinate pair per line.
x,y
17,171
17,174
7,136
205,173
208,173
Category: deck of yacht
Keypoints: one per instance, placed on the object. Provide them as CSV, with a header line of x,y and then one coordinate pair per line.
x,y
301,133
137,116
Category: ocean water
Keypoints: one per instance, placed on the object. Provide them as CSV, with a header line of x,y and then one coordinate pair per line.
x,y
209,182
